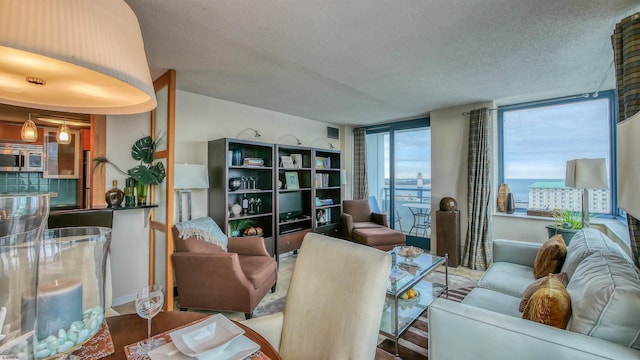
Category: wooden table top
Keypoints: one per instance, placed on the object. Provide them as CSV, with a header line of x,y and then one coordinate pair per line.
x,y
130,328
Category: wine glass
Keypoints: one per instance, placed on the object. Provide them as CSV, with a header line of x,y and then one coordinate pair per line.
x,y
149,301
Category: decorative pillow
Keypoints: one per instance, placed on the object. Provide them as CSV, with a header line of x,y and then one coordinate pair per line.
x,y
550,257
564,279
549,305
203,228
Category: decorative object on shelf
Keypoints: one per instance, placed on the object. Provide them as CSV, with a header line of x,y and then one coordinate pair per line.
x,y
298,142
245,204
292,180
63,136
297,161
236,209
237,227
235,183
287,162
320,162
510,205
229,158
146,173
448,204
236,157
115,196
320,217
502,197
130,192
29,132
253,162
279,184
20,243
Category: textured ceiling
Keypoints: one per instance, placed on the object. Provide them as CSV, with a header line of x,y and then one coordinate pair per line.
x,y
360,62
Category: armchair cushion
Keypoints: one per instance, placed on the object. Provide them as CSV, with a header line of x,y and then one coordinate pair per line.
x,y
257,269
203,228
359,210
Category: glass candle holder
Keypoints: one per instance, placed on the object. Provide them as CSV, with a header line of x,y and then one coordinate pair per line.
x,y
22,222
71,289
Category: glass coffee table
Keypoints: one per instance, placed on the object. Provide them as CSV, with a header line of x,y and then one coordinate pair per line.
x,y
409,274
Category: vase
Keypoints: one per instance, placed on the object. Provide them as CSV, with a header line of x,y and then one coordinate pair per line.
x,y
237,157
115,196
130,192
502,197
510,205
21,232
141,193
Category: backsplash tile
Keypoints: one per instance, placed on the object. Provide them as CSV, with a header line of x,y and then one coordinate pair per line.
x,y
13,183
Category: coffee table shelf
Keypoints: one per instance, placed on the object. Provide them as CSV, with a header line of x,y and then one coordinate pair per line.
x,y
399,314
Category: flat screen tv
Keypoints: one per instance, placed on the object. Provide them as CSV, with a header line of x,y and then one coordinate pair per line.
x,y
290,204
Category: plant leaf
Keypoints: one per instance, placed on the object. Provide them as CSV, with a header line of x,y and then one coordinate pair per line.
x,y
143,150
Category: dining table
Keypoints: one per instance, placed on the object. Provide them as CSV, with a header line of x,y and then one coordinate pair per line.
x,y
130,328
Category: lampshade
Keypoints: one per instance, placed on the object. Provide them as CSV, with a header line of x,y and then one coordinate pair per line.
x,y
587,174
629,165
74,56
29,132
190,176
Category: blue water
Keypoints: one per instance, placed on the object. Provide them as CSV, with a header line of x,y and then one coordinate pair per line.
x,y
520,187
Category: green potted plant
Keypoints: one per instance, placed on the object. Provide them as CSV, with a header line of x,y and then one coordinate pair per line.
x,y
146,173
566,223
238,226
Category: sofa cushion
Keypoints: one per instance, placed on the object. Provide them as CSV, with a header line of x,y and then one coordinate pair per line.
x,y
494,301
605,296
550,257
584,243
534,286
550,304
507,278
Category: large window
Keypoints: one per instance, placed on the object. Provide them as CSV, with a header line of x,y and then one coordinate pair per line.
x,y
538,138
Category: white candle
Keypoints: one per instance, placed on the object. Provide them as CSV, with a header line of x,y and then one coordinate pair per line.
x,y
59,304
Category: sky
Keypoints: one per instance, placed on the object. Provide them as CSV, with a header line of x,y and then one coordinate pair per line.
x,y
539,141
413,153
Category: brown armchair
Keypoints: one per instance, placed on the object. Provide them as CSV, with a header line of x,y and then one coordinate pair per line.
x,y
370,228
210,278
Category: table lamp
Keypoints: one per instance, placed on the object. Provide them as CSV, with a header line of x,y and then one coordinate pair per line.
x,y
586,174
187,177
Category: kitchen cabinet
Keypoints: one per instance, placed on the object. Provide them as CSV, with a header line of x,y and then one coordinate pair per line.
x,y
61,161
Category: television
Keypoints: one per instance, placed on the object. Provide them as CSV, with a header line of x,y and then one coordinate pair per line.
x,y
290,205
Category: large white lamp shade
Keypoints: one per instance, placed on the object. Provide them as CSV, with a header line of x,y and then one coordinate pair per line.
x,y
629,165
75,56
586,174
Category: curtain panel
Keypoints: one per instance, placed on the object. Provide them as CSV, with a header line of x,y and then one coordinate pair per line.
x,y
478,245
626,54
360,184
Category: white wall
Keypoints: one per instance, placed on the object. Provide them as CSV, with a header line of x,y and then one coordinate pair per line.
x,y
130,236
201,118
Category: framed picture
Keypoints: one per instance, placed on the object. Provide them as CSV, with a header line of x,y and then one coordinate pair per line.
x,y
297,160
287,162
291,178
319,162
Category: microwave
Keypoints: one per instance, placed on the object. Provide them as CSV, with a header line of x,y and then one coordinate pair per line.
x,y
21,158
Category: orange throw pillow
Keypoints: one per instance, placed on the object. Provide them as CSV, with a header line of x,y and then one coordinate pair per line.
x,y
550,257
549,305
534,286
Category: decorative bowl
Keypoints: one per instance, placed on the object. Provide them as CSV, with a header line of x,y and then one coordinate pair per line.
x,y
410,252
235,183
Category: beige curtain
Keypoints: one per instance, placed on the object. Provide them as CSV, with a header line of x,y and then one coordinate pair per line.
x,y
626,53
360,187
478,253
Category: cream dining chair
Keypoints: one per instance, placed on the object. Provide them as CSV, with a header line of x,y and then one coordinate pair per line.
x,y
334,303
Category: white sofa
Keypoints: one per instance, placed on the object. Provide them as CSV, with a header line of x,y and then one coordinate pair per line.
x,y
604,286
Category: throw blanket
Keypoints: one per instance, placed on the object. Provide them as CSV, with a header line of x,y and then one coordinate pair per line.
x,y
203,228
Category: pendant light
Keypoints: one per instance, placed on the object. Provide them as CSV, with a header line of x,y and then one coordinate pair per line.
x,y
63,136
29,131
74,56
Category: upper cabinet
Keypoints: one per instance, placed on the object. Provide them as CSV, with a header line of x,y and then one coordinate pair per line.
x,y
61,161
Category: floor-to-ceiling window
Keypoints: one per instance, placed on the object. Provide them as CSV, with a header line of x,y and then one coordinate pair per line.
x,y
399,177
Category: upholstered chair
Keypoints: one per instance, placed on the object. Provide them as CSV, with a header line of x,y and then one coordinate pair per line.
x,y
369,228
334,303
357,214
232,274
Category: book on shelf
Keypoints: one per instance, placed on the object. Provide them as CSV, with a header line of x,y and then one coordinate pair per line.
x,y
287,162
327,163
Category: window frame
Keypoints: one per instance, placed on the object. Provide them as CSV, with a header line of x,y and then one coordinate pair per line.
x,y
608,94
